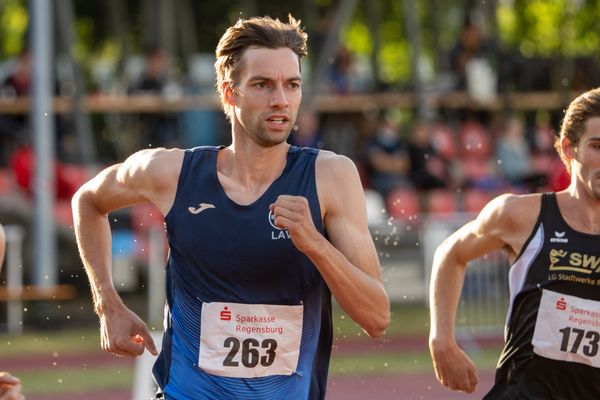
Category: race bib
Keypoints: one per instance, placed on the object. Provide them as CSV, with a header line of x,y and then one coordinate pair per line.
x,y
250,340
568,329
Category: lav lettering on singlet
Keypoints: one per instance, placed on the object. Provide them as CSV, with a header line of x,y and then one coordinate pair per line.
x,y
250,340
567,329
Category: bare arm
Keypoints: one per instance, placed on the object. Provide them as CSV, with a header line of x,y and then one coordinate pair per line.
x,y
145,176
348,261
499,225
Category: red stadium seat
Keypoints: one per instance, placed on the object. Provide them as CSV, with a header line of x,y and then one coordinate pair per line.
x,y
63,215
475,169
7,182
475,141
146,216
442,202
475,199
403,204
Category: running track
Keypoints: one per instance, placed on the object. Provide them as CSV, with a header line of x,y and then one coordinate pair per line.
x,y
405,386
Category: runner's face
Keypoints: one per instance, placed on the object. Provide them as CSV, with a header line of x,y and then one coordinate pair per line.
x,y
587,157
268,94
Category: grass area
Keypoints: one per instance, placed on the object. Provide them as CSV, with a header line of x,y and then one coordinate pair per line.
x,y
75,380
61,342
410,319
405,362
407,319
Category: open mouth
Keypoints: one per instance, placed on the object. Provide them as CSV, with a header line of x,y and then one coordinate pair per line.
x,y
277,121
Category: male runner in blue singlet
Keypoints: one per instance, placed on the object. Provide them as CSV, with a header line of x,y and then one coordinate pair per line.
x,y
553,244
260,235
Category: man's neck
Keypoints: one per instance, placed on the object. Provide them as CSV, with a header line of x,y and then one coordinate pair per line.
x,y
580,209
247,169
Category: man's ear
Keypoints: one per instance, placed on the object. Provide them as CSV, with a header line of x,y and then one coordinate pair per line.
x,y
567,148
229,94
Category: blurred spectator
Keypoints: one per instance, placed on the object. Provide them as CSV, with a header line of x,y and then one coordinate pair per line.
x,y
387,159
157,129
471,61
514,156
17,84
341,72
428,170
543,154
307,131
474,163
544,134
156,73
13,127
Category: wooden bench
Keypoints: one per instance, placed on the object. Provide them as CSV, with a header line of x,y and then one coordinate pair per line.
x,y
33,292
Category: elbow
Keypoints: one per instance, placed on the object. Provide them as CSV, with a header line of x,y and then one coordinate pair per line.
x,y
377,328
80,197
378,323
83,201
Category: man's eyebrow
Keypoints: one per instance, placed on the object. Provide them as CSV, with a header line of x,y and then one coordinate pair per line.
x,y
266,78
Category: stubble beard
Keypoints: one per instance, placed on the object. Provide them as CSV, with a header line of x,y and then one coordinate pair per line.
x,y
265,139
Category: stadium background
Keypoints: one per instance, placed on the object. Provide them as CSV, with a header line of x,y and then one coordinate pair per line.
x,y
125,75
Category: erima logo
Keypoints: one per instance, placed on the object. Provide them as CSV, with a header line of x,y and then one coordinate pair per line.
x,y
201,207
559,237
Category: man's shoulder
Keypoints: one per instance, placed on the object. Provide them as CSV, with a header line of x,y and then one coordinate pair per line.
x,y
329,159
335,167
513,211
159,154
514,203
156,163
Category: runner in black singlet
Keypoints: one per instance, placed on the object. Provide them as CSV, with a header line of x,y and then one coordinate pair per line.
x,y
553,244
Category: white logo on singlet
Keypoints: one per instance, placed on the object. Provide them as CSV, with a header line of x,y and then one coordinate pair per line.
x,y
559,238
280,233
201,207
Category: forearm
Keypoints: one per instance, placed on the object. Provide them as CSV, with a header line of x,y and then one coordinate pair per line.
x,y
446,285
360,295
92,230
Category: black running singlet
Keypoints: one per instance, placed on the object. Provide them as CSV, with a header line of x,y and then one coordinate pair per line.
x,y
552,348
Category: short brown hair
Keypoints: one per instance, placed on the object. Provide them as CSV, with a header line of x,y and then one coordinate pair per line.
x,y
259,32
584,107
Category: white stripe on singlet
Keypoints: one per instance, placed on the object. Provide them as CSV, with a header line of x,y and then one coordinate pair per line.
x,y
518,271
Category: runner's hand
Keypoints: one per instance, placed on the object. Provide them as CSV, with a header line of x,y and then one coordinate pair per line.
x,y
123,333
293,213
10,387
453,367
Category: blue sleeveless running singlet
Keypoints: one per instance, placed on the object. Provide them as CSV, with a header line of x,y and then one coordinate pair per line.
x,y
226,256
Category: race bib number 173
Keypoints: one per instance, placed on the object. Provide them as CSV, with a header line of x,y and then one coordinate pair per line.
x,y
568,329
250,340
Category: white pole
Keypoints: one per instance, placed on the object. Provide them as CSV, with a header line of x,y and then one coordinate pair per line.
x,y
14,278
42,120
156,277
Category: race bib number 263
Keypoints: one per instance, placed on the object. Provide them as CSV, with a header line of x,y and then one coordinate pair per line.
x,y
568,329
250,340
